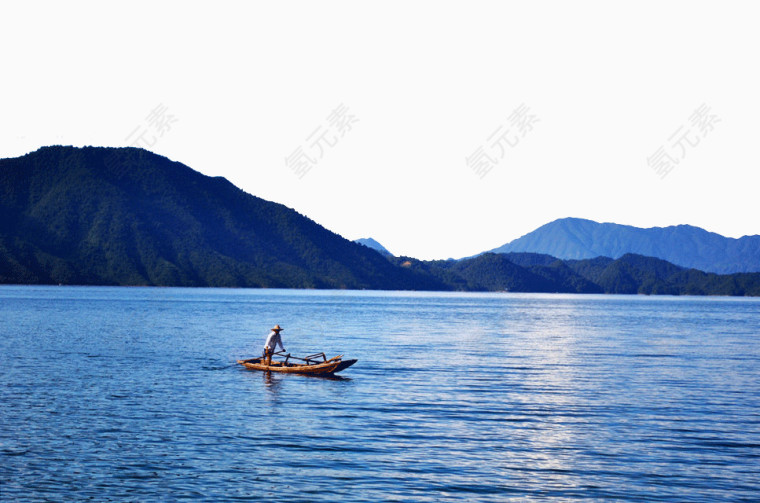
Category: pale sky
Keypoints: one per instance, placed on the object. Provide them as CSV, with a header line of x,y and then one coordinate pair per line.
x,y
393,103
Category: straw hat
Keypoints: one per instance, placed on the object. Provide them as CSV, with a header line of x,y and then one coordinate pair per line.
x,y
277,328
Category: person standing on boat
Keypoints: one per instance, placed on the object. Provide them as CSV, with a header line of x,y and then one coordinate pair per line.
x,y
273,339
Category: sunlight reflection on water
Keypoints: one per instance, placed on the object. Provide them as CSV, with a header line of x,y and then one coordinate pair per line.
x,y
134,394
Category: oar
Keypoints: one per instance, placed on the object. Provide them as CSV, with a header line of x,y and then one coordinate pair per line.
x,y
308,359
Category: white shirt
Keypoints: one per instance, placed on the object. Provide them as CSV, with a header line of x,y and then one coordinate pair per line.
x,y
273,339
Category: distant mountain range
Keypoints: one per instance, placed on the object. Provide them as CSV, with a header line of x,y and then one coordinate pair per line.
x,y
371,243
683,245
630,274
125,216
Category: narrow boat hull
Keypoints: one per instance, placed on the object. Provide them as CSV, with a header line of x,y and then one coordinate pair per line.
x,y
344,364
325,368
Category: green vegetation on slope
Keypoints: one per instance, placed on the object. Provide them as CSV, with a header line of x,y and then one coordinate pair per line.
x,y
130,217
108,216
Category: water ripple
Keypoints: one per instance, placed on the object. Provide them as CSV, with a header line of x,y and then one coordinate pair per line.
x,y
133,395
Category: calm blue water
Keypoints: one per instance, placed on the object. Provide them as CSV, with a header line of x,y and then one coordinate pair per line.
x,y
132,394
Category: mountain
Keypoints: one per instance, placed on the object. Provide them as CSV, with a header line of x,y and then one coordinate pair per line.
x,y
630,274
636,274
371,243
683,245
497,272
125,216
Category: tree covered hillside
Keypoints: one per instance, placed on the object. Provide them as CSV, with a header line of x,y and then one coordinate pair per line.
x,y
125,216
129,217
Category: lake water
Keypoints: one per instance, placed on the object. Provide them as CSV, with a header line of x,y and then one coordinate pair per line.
x,y
133,394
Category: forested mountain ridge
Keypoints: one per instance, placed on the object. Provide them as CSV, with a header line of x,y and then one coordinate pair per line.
x,y
630,274
125,216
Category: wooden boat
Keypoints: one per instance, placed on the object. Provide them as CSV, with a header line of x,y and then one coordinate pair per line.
x,y
311,365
